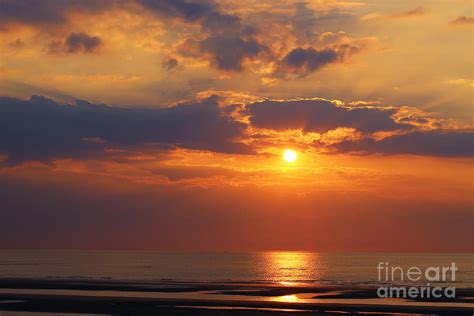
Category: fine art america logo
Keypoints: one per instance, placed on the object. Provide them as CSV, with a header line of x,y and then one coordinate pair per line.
x,y
429,275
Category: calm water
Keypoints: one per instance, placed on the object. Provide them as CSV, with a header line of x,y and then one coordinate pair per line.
x,y
258,266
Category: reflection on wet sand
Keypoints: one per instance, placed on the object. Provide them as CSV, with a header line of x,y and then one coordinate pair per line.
x,y
286,298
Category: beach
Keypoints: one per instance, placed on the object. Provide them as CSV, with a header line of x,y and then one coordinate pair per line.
x,y
216,283
198,298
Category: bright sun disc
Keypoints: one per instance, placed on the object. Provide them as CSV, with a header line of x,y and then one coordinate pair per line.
x,y
289,155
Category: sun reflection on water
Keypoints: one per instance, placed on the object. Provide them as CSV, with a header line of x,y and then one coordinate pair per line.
x,y
290,268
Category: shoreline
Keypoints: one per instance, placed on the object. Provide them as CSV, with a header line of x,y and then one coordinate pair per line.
x,y
114,305
201,298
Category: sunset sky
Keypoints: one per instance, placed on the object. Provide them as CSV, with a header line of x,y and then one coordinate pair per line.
x,y
161,124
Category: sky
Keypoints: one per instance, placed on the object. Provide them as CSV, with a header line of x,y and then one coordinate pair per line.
x,y
161,125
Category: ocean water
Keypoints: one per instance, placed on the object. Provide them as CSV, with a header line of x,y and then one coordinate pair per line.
x,y
273,267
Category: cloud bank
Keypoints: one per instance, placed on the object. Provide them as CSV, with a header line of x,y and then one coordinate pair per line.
x,y
41,129
427,143
320,115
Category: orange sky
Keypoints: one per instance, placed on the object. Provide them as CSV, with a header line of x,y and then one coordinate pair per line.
x,y
191,104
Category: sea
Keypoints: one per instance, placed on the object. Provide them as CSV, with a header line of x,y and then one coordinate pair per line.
x,y
283,267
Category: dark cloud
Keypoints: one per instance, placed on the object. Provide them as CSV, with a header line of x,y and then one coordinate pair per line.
x,y
206,13
169,63
227,42
463,20
310,59
414,119
320,116
76,43
82,42
56,12
304,61
429,143
47,12
189,10
221,23
41,129
228,53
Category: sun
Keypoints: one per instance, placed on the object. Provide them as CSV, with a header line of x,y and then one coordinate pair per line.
x,y
290,155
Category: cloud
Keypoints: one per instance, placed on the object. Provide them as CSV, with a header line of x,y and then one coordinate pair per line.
x,y
207,13
226,43
41,129
463,20
307,22
310,59
190,10
304,61
419,11
76,43
82,42
221,23
169,63
57,12
229,52
226,52
46,12
410,13
363,129
429,143
320,115
17,44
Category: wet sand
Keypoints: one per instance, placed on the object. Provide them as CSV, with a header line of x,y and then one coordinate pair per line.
x,y
168,297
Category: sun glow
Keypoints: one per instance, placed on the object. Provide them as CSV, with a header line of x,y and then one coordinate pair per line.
x,y
289,155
